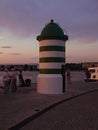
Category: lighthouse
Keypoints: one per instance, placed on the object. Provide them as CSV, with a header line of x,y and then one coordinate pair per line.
x,y
51,58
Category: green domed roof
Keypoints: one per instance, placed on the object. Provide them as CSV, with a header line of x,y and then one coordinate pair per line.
x,y
52,31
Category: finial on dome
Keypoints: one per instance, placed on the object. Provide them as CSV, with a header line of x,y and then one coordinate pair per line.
x,y
52,20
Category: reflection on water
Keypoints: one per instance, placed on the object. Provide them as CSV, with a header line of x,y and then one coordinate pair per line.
x,y
75,76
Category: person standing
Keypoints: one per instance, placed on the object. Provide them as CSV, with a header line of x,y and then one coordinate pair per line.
x,y
87,73
21,79
13,76
6,81
69,76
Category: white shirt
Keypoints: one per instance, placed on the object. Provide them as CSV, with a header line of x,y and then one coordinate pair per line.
x,y
6,76
14,74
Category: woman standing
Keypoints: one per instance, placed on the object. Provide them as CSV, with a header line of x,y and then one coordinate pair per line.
x,y
69,76
6,80
13,76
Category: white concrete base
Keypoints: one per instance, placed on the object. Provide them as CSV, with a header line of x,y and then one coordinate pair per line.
x,y
49,84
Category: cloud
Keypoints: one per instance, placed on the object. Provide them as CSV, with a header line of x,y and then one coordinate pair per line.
x,y
26,18
15,53
6,47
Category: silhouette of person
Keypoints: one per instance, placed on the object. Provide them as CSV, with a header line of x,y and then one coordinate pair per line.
x,y
21,80
87,73
6,78
68,76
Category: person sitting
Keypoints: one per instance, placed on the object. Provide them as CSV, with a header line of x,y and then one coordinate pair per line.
x,y
28,82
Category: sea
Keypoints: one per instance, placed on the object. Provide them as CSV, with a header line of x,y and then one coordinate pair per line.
x,y
75,76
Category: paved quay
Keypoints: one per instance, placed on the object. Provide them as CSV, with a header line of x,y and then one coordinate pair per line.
x,y
16,109
79,113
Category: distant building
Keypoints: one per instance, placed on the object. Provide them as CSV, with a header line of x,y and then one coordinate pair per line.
x,y
25,67
89,64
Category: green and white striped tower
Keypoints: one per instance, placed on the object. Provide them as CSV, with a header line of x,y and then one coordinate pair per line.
x,y
51,57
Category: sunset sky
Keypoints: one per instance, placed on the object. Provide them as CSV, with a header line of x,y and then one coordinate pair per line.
x,y
21,21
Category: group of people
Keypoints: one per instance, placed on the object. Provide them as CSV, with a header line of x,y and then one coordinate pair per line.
x,y
10,80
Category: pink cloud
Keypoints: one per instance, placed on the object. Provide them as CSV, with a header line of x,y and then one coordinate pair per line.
x,y
15,53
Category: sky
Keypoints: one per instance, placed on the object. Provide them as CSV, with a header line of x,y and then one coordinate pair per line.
x,y
21,21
